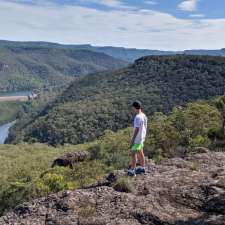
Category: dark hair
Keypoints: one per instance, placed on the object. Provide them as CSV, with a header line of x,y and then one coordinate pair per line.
x,y
137,105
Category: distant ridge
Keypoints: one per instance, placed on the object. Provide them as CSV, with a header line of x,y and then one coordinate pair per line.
x,y
126,54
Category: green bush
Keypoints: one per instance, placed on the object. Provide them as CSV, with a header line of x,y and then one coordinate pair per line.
x,y
123,184
87,173
216,134
96,152
186,127
51,183
199,140
14,193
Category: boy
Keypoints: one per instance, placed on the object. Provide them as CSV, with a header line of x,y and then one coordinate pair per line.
x,y
137,141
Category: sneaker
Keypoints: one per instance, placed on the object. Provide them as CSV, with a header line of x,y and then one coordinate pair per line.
x,y
140,170
131,173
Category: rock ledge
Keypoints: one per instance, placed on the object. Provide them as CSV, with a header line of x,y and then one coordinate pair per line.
x,y
188,191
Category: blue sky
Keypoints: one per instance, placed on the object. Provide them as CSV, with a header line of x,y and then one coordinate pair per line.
x,y
152,24
178,8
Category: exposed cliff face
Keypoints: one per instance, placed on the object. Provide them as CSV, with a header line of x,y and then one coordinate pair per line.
x,y
179,191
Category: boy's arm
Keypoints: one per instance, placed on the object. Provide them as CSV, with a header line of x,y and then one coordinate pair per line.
x,y
136,130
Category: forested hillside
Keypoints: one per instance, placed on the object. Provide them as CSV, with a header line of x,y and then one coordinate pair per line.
x,y
9,110
125,54
24,67
102,101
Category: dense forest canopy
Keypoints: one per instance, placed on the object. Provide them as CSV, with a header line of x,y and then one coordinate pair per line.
x,y
26,67
99,102
9,110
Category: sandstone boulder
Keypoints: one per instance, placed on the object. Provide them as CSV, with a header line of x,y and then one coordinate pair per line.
x,y
70,158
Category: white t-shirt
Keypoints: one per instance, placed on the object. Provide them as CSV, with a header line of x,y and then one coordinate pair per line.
x,y
140,121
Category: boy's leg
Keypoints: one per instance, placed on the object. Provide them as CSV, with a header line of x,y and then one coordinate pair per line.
x,y
131,171
134,160
141,157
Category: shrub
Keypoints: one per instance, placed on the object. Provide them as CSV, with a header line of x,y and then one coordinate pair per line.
x,y
158,158
199,140
52,183
96,152
15,193
86,212
195,166
123,184
215,134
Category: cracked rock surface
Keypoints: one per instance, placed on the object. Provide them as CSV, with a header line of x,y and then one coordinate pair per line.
x,y
188,191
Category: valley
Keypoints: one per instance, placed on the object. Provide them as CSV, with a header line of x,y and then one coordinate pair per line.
x,y
101,101
112,112
183,96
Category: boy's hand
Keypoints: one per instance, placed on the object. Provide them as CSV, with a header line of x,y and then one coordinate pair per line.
x,y
136,130
131,141
131,144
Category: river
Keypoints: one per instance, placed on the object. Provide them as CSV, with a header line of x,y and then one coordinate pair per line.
x,y
19,93
4,131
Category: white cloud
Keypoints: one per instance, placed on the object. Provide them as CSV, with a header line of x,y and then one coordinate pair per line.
x,y
111,3
36,2
150,2
22,1
197,15
188,5
129,28
118,4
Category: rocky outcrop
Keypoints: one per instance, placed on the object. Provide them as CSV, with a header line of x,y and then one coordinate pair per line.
x,y
70,158
188,191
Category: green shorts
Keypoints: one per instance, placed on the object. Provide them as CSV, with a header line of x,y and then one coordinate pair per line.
x,y
137,147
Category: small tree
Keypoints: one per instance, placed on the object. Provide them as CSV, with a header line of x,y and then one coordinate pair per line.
x,y
220,105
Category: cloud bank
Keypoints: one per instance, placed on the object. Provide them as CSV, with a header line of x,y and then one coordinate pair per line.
x,y
127,27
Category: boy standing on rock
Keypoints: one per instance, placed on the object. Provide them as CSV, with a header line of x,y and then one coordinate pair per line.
x,y
137,141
